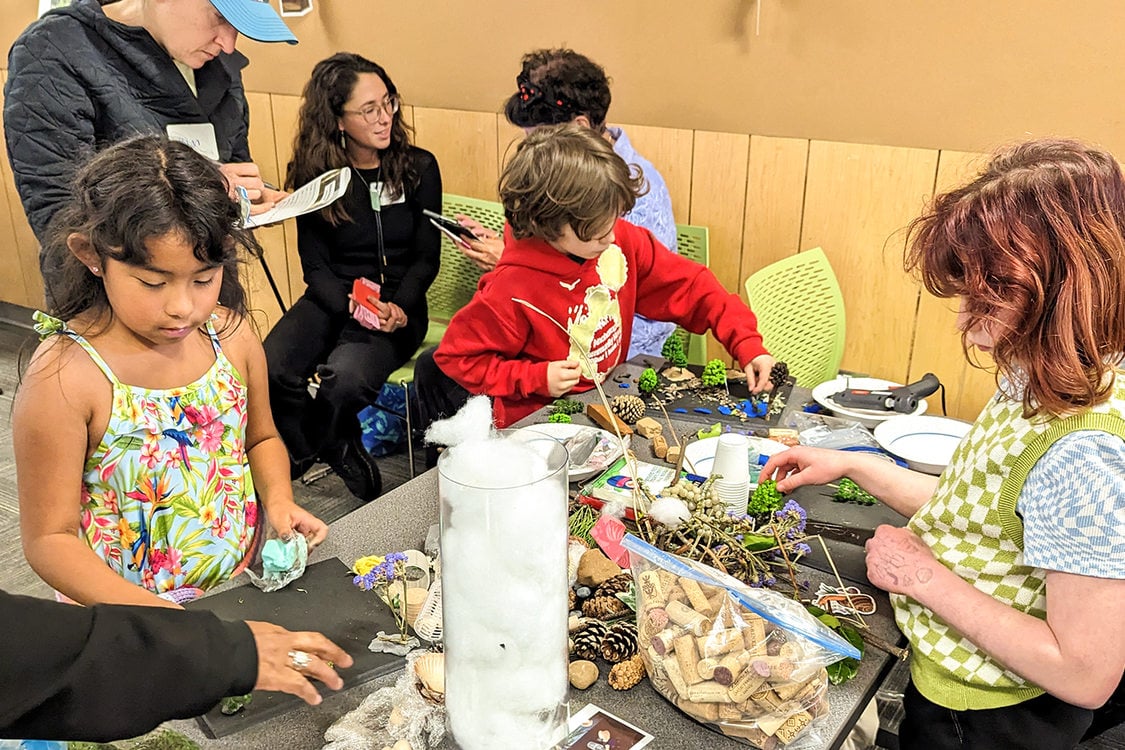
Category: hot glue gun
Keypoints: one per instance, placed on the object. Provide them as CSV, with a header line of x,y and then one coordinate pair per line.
x,y
903,399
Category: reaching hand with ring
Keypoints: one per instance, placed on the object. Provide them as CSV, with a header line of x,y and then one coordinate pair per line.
x,y
289,661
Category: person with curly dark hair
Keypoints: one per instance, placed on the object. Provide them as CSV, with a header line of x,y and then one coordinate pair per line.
x,y
351,117
560,85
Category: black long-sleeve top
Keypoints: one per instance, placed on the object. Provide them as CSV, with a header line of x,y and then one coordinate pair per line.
x,y
109,672
332,257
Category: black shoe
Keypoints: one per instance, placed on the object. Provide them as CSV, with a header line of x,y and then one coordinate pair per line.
x,y
356,466
298,469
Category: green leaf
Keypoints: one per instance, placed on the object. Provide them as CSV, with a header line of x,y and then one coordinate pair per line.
x,y
128,443
842,671
758,542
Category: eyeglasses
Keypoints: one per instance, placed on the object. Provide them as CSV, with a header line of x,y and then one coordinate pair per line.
x,y
371,112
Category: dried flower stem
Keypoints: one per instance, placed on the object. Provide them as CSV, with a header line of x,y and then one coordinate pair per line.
x,y
601,393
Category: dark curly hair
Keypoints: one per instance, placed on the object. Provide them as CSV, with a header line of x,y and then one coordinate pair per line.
x,y
1035,247
557,85
138,189
317,147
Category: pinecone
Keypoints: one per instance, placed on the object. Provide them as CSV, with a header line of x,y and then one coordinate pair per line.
x,y
778,374
588,641
629,408
626,674
570,600
620,642
604,607
611,586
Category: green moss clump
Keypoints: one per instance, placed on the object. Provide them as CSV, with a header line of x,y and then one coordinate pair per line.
x,y
849,492
647,382
715,373
567,406
166,740
765,499
559,416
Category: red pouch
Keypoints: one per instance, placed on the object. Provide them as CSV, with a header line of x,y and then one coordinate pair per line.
x,y
365,311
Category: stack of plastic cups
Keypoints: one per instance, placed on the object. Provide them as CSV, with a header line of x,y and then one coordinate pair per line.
x,y
732,465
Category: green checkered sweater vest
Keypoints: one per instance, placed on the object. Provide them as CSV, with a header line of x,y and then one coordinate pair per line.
x,y
971,525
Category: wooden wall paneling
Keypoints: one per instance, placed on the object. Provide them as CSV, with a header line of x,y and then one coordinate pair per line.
x,y
775,199
507,136
285,110
858,200
20,280
718,201
937,342
670,151
263,150
465,146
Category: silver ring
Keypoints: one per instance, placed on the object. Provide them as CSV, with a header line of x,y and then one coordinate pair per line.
x,y
299,660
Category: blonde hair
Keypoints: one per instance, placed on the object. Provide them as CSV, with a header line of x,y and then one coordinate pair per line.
x,y
566,175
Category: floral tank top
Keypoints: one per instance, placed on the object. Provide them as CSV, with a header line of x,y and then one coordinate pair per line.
x,y
167,497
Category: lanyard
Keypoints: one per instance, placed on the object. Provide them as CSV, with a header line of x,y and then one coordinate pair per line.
x,y
375,194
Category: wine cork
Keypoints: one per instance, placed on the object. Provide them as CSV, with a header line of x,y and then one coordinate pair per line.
x,y
790,690
791,651
657,617
688,618
687,657
793,726
672,670
725,612
676,594
695,596
657,674
708,712
768,699
706,667
754,634
745,685
667,579
652,589
708,692
730,666
721,642
820,708
751,734
781,669
662,641
729,712
771,723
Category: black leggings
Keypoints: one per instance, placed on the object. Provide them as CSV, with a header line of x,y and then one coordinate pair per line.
x,y
1043,723
439,396
353,363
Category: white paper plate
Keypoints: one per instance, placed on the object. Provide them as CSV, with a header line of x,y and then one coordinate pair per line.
x,y
924,443
868,418
606,452
699,455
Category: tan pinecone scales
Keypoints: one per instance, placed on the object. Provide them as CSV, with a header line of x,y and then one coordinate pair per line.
x,y
620,642
628,673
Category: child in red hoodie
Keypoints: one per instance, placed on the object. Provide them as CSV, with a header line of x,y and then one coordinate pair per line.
x,y
568,253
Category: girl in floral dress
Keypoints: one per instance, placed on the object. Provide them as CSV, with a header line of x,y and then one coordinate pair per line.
x,y
143,436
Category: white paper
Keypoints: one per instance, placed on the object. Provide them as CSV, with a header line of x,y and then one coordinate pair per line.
x,y
593,728
313,196
46,5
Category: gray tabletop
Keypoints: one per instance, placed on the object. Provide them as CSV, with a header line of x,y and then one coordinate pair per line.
x,y
400,520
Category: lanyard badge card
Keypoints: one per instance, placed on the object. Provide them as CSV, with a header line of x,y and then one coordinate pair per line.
x,y
376,191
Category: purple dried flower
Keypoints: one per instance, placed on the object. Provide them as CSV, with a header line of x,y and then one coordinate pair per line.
x,y
802,549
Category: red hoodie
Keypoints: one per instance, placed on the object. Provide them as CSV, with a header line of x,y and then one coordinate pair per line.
x,y
499,347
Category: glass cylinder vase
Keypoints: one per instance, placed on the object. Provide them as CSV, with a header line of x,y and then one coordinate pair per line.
x,y
504,591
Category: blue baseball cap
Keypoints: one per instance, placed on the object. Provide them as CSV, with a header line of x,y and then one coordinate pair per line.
x,y
255,19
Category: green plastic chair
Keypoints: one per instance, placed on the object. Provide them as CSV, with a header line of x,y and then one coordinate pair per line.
x,y
801,315
454,286
692,242
456,282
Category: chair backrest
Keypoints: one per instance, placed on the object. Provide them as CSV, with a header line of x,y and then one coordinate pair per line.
x,y
801,314
692,242
457,279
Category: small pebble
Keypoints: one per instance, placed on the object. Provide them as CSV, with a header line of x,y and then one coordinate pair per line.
x,y
701,410
724,409
622,385
680,410
583,674
582,592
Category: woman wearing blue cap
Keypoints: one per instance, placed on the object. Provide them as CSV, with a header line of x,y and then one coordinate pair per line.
x,y
87,75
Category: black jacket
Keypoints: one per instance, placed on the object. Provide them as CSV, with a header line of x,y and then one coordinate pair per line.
x,y
109,672
78,82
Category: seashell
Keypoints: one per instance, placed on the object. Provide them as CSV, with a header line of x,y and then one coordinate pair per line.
x,y
402,745
430,670
396,718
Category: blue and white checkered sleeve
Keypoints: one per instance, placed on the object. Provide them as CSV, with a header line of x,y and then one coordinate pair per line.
x,y
1073,506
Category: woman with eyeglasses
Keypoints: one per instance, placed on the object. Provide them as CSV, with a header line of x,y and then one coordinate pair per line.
x,y
351,117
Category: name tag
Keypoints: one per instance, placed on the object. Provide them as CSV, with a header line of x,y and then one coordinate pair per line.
x,y
199,135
